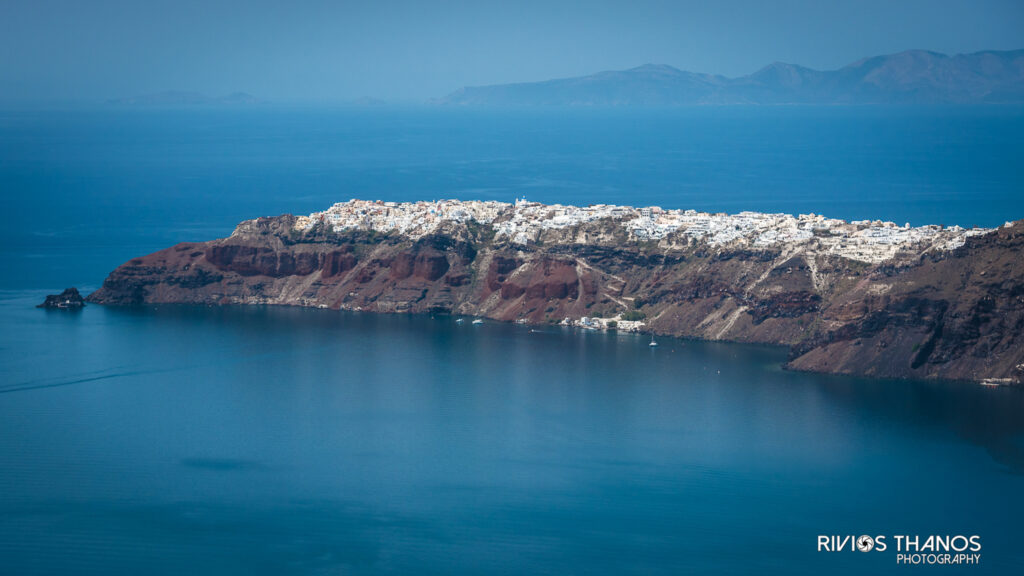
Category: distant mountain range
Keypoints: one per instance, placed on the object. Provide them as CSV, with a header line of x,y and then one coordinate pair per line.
x,y
914,76
180,98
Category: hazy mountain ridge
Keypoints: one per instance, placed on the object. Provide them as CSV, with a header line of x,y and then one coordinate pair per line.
x,y
913,76
185,98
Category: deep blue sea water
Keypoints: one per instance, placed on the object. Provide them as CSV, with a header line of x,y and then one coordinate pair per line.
x,y
85,190
289,441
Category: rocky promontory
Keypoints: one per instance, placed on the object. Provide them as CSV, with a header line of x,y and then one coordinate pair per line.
x,y
867,298
69,299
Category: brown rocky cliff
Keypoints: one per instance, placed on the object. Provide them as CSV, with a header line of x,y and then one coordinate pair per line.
x,y
952,315
956,314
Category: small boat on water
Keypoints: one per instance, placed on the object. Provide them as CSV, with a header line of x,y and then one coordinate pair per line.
x,y
478,321
653,343
459,320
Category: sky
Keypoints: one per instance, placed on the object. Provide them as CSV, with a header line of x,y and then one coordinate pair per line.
x,y
410,51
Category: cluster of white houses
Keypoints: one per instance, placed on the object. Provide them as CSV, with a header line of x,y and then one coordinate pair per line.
x,y
524,222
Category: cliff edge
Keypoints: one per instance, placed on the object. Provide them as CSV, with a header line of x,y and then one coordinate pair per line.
x,y
948,304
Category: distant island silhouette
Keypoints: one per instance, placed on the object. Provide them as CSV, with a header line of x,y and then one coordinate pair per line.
x,y
185,98
910,77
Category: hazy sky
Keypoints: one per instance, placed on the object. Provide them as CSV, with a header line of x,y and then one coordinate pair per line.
x,y
413,50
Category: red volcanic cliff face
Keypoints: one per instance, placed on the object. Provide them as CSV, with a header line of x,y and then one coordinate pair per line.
x,y
263,261
428,265
544,279
501,266
337,262
956,314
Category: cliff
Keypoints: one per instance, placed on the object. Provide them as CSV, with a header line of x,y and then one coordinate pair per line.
x,y
921,311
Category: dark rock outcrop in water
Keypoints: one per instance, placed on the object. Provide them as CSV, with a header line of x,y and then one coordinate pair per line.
x,y
914,76
952,314
69,299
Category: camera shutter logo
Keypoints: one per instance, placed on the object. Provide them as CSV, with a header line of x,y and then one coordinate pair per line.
x,y
865,543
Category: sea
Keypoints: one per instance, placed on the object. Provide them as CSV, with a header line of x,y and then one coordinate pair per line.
x,y
277,440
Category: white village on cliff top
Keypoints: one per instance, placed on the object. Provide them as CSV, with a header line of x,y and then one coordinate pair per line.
x,y
523,222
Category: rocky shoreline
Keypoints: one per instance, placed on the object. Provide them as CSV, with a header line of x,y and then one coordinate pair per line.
x,y
928,311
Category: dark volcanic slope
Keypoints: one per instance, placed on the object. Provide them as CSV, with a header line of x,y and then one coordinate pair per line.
x,y
914,76
957,315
